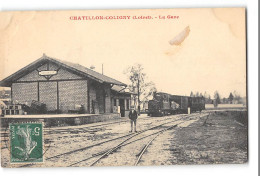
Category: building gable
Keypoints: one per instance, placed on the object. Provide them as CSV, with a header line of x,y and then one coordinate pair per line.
x,y
61,74
48,67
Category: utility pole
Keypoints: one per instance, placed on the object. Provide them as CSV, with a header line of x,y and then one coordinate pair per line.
x,y
138,92
102,70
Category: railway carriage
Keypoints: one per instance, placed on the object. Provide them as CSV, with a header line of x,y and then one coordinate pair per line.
x,y
183,102
197,104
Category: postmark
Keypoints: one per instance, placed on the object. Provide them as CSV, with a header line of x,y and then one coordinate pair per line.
x,y
26,142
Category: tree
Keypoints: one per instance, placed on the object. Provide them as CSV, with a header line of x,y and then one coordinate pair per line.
x,y
139,83
231,97
191,94
224,100
237,97
208,99
147,91
217,98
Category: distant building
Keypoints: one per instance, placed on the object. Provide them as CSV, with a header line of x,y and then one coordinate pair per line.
x,y
64,86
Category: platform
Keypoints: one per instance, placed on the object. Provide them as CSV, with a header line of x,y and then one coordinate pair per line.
x,y
50,120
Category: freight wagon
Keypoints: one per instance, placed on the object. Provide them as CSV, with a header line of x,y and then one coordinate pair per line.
x,y
183,102
197,104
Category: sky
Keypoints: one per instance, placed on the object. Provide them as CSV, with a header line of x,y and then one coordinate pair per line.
x,y
212,56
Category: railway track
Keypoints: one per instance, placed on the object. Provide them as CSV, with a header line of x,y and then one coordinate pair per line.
x,y
147,145
98,144
121,144
141,153
100,155
63,130
109,140
89,128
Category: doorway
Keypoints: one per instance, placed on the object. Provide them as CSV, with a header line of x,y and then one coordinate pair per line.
x,y
122,107
100,100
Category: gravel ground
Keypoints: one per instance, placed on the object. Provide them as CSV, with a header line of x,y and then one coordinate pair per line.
x,y
222,139
59,140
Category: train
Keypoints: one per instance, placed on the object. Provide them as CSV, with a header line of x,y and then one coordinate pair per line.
x,y
164,104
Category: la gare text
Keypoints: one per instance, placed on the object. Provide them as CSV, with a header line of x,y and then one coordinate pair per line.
x,y
111,17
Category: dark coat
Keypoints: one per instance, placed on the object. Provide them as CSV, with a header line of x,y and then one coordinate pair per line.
x,y
133,115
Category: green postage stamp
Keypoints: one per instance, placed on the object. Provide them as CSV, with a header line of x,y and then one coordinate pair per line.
x,y
26,142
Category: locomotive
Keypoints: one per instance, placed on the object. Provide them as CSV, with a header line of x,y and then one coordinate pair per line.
x,y
164,104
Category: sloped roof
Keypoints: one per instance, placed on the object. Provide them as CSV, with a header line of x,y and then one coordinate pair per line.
x,y
120,89
79,69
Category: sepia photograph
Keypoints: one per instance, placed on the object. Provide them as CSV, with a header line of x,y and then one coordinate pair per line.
x,y
139,87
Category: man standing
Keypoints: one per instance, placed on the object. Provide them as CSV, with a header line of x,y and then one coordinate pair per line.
x,y
133,116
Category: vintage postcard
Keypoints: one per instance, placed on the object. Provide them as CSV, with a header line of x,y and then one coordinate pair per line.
x,y
144,87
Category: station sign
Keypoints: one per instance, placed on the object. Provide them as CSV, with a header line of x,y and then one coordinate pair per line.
x,y
47,73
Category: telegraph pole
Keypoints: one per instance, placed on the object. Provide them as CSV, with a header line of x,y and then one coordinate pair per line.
x,y
138,92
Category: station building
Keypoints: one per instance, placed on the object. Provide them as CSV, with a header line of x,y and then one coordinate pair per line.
x,y
64,86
